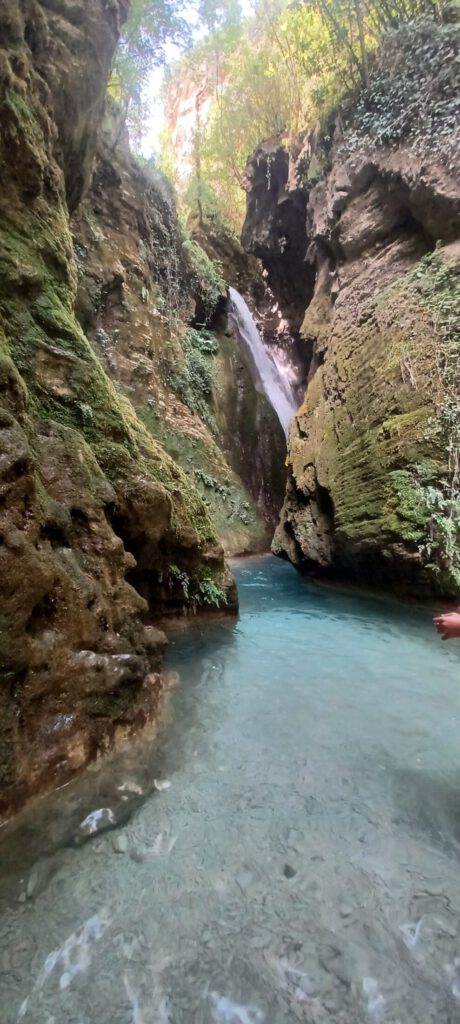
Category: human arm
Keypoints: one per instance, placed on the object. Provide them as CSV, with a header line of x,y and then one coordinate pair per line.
x,y
448,625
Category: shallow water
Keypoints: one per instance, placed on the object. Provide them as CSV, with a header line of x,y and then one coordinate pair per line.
x,y
301,865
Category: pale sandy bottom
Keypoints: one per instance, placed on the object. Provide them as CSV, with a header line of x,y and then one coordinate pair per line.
x,y
298,856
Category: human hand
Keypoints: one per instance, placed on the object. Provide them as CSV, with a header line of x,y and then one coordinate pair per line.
x,y
448,626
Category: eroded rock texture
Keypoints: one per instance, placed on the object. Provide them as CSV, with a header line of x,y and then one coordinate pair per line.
x,y
87,496
138,302
372,486
249,432
274,233
274,229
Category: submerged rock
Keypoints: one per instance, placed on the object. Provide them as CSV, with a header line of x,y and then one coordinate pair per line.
x,y
96,821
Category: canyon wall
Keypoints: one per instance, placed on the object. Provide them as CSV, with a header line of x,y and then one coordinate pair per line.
x,y
143,300
360,224
114,487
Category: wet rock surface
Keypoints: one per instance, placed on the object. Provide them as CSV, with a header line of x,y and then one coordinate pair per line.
x,y
85,491
136,301
249,431
275,228
370,437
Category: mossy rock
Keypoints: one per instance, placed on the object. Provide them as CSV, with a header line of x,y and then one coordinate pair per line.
x,y
379,427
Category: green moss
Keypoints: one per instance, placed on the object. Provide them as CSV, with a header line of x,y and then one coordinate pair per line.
x,y
410,511
230,505
106,419
58,322
436,282
405,421
374,498
114,460
25,118
65,380
207,277
393,476
191,377
13,389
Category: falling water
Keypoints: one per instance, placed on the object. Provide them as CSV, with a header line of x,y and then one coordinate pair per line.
x,y
268,378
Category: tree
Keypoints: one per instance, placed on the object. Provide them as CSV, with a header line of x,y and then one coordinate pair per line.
x,y
151,25
353,27
218,16
277,74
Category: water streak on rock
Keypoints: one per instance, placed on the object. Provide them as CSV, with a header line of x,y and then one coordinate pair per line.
x,y
268,377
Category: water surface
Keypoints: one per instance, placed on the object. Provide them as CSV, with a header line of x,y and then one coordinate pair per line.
x,y
298,858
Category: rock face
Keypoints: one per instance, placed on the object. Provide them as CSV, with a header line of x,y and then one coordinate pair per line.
x,y
136,301
90,502
274,233
372,487
249,434
274,230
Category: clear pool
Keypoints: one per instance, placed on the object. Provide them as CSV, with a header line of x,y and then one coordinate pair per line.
x,y
297,858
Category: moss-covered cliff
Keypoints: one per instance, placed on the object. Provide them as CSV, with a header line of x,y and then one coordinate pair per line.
x,y
90,502
373,486
144,296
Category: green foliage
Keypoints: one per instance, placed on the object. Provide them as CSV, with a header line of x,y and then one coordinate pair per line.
x,y
196,590
438,285
150,26
411,504
442,548
278,73
237,507
210,593
219,15
207,280
177,575
411,94
199,195
286,69
224,495
258,101
193,381
352,29
211,483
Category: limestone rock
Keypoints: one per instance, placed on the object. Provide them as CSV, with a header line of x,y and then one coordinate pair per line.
x,y
372,489
136,299
85,491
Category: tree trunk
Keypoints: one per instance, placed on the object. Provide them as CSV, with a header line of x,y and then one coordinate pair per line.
x,y
362,44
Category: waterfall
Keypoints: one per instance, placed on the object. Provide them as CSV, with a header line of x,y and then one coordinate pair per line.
x,y
267,376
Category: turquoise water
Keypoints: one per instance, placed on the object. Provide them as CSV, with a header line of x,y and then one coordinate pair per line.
x,y
297,858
